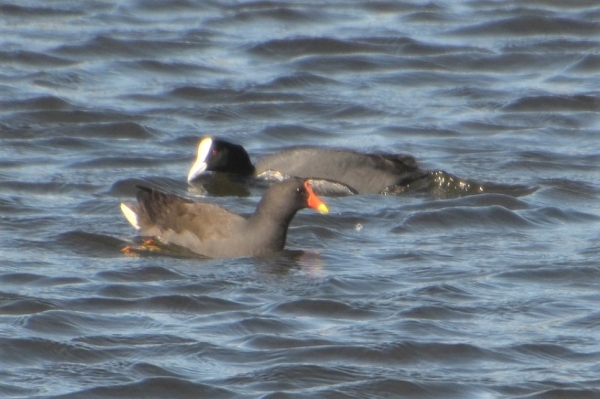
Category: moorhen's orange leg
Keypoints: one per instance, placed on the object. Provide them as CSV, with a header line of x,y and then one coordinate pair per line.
x,y
148,245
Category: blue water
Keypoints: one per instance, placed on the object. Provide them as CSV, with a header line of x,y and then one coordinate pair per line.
x,y
440,292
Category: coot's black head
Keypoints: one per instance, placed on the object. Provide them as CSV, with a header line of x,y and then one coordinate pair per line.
x,y
216,155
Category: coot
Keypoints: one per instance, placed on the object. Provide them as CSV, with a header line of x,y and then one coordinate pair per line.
x,y
215,232
335,170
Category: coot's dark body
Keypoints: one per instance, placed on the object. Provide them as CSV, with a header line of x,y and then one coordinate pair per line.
x,y
358,172
365,173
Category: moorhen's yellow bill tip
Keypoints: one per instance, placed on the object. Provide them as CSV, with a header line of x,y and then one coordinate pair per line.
x,y
323,208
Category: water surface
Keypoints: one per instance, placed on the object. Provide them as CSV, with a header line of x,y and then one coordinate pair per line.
x,y
438,292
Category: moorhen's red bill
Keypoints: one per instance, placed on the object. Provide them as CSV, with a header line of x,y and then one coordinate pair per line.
x,y
357,172
215,232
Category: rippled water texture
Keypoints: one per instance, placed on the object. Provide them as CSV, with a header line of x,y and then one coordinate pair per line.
x,y
481,283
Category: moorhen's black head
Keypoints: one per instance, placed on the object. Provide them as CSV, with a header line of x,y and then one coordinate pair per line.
x,y
290,196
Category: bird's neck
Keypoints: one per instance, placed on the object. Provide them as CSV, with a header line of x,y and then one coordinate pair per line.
x,y
273,222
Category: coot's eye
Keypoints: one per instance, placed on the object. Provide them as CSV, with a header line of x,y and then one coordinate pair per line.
x,y
214,153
